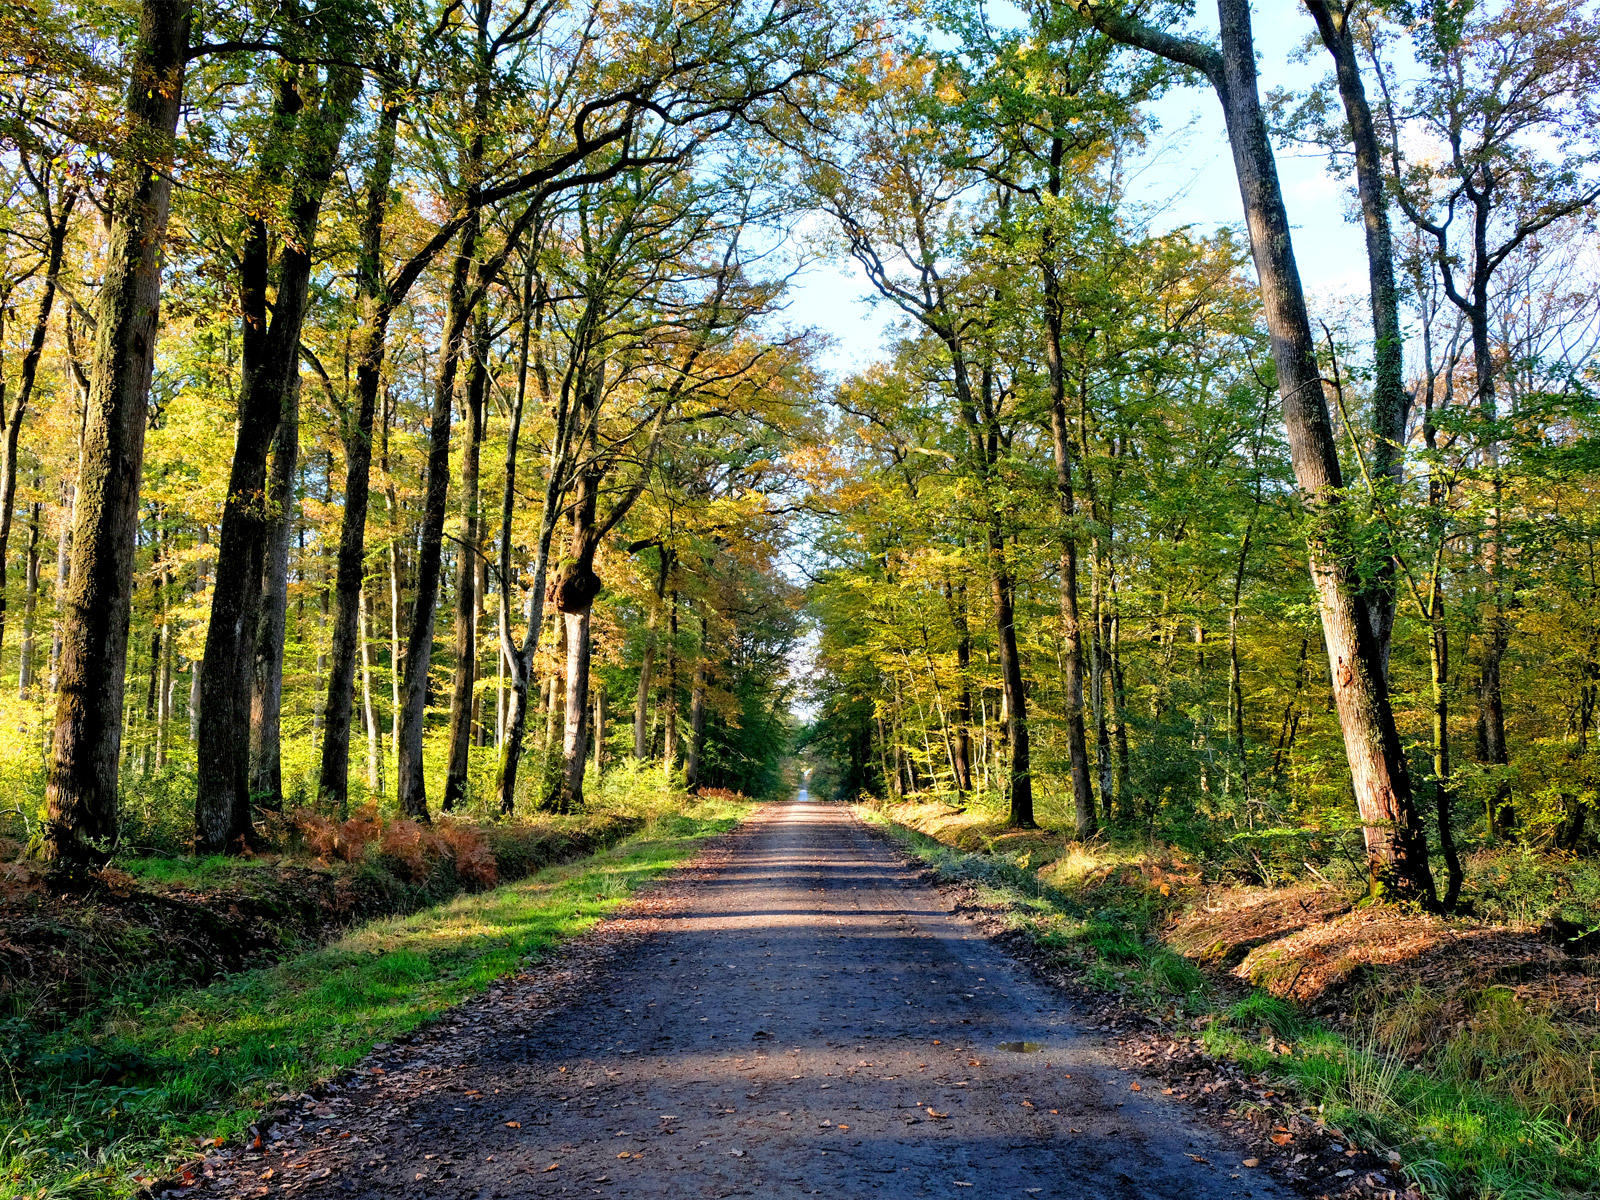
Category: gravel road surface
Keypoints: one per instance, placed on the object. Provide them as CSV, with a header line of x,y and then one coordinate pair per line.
x,y
803,1018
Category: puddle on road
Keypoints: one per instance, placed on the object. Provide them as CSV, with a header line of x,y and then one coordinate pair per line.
x,y
1022,1047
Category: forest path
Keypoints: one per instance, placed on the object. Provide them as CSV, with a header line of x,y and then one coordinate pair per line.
x,y
804,1017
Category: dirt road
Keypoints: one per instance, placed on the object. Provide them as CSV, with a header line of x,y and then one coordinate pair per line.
x,y
805,1019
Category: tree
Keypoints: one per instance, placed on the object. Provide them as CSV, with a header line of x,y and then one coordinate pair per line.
x,y
82,820
1396,844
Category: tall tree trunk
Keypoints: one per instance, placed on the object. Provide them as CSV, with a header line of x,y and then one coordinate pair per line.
x,y
266,693
81,795
461,692
1084,816
164,695
598,690
955,599
641,701
197,666
669,700
375,302
58,594
30,605
697,713
412,788
1395,842
575,739
1389,399
1011,681
267,390
374,742
1444,792
55,243
1099,685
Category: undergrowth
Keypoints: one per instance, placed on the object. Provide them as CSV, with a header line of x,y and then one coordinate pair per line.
x,y
104,1106
1503,1105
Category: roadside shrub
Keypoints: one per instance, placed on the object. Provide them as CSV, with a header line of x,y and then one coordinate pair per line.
x,y
475,862
720,793
328,839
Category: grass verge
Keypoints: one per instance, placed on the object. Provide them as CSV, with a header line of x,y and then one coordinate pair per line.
x,y
107,1105
1455,1117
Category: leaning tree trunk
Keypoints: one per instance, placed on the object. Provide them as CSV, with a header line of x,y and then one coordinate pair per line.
x,y
333,774
1396,845
1397,851
81,822
268,390
1389,399
461,692
411,786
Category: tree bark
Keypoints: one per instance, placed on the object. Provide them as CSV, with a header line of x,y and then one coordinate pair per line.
x,y
411,786
697,714
369,712
375,303
266,694
56,238
1085,818
1389,400
81,822
267,390
641,701
30,605
955,598
669,699
461,692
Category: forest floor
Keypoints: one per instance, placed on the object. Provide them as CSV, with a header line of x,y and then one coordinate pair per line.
x,y
684,1046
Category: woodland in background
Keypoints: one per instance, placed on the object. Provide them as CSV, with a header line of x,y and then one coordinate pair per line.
x,y
1064,567
387,390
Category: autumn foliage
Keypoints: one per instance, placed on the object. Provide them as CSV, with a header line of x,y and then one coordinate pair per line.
x,y
413,850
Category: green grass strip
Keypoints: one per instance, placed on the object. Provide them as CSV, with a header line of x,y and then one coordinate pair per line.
x,y
121,1097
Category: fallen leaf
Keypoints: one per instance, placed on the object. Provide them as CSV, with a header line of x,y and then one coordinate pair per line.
x,y
1198,1159
624,1154
552,1166
1282,1139
267,1174
937,1116
1252,1162
1134,1087
844,1127
1027,1104
513,1124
